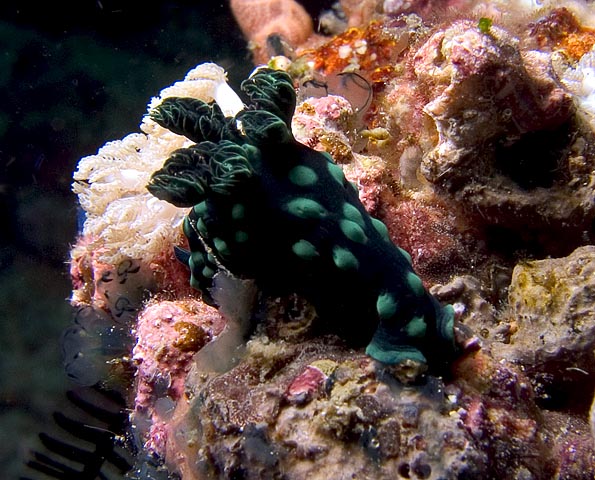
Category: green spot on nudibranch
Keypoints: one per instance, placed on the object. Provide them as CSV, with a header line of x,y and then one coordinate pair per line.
x,y
446,322
381,228
201,227
406,254
241,236
386,305
238,211
188,228
304,249
200,208
208,272
306,208
336,171
415,283
196,261
303,176
351,212
344,259
353,231
194,283
391,354
328,156
221,246
416,327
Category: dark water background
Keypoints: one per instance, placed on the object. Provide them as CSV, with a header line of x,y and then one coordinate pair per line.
x,y
73,75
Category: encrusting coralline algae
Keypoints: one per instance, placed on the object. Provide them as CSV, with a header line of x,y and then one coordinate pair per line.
x,y
236,318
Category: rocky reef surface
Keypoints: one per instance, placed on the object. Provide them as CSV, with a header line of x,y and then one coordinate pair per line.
x,y
467,130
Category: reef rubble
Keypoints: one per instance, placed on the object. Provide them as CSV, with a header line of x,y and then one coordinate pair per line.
x,y
466,134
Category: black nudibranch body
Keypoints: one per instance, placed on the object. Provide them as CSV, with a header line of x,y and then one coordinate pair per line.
x,y
268,208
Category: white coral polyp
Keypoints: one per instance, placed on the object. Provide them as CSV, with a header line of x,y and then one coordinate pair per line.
x,y
207,82
580,81
122,218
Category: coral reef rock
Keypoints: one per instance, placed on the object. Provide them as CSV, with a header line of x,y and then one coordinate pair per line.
x,y
316,411
236,258
551,314
272,27
503,130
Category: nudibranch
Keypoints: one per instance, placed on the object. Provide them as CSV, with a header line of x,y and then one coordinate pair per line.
x,y
267,208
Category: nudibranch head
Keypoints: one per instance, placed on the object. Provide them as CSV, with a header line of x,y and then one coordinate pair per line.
x,y
268,208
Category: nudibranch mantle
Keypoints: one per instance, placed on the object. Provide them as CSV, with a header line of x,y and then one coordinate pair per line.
x,y
267,208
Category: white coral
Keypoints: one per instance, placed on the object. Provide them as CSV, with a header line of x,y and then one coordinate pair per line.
x,y
122,218
578,80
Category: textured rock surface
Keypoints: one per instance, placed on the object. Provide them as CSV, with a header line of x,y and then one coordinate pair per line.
x,y
315,409
551,321
351,418
167,335
553,304
502,124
